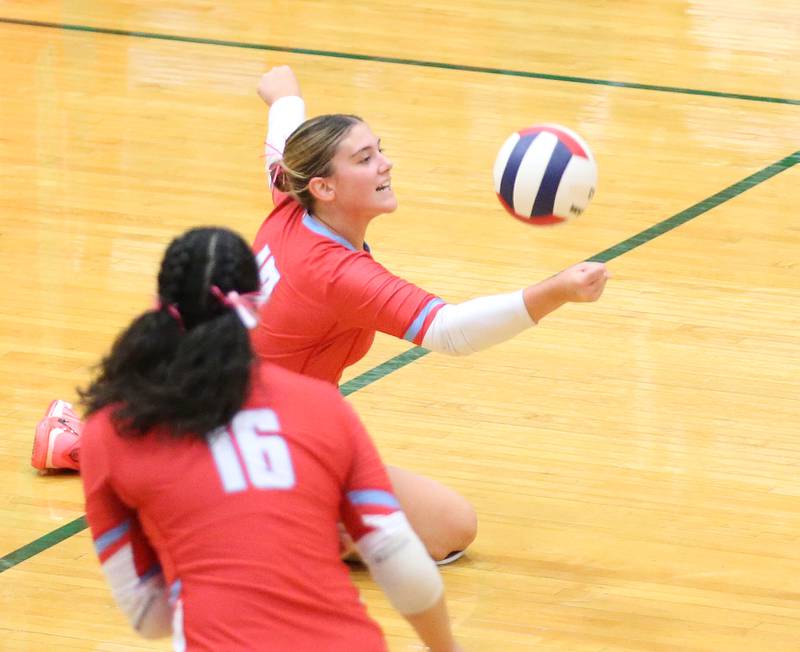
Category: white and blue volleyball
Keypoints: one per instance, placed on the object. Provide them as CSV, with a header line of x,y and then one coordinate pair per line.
x,y
545,174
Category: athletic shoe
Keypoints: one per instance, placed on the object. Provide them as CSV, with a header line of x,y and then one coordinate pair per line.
x,y
56,444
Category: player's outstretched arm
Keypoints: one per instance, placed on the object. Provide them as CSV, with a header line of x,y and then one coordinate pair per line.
x,y
477,324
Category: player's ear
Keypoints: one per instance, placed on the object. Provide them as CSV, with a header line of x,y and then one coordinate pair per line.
x,y
321,189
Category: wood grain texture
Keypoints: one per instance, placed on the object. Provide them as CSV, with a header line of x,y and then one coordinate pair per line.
x,y
634,463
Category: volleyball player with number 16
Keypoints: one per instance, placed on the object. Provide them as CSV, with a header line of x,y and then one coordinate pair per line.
x,y
214,482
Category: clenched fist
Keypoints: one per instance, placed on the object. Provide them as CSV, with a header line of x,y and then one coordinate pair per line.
x,y
279,82
584,281
580,283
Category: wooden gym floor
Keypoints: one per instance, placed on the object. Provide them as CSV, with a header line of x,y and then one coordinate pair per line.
x,y
635,463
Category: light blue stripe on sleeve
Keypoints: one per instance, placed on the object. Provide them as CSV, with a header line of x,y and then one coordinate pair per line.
x,y
415,327
373,497
175,591
112,536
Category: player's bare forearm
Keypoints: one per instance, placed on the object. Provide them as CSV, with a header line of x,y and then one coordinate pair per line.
x,y
433,627
580,283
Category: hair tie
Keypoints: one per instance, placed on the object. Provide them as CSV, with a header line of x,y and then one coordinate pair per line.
x,y
276,173
233,299
172,311
276,170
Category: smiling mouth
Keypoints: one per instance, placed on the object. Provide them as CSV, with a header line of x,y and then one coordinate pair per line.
x,y
385,186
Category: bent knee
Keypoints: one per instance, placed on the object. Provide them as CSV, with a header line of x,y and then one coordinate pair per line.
x,y
459,527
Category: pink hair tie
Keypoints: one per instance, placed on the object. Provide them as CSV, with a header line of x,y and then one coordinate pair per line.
x,y
244,310
275,168
275,172
172,311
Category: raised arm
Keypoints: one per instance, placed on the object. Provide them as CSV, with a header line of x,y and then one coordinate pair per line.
x,y
280,90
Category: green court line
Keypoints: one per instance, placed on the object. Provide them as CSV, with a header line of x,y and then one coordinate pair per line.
x,y
42,543
400,61
698,209
385,368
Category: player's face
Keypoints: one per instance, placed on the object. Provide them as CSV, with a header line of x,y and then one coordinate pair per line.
x,y
362,175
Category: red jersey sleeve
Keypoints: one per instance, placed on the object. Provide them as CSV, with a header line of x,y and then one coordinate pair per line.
x,y
129,562
368,491
114,526
367,295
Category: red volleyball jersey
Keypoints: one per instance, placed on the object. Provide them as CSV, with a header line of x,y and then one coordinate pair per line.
x,y
244,529
326,299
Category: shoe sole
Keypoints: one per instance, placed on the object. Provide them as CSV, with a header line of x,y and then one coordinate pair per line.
x,y
449,559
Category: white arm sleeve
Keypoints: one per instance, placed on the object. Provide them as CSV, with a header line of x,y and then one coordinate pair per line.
x,y
285,115
144,601
463,328
400,564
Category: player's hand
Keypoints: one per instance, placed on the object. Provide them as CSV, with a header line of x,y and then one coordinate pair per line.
x,y
279,82
584,281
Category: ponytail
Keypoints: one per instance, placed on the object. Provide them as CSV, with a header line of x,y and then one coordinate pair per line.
x,y
185,366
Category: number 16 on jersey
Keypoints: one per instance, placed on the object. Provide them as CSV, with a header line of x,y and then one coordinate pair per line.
x,y
263,460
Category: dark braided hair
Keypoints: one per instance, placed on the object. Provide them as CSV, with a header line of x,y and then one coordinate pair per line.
x,y
185,365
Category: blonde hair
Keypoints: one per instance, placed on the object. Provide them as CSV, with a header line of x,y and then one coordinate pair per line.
x,y
309,153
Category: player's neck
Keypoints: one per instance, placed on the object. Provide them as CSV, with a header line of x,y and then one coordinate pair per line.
x,y
354,231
